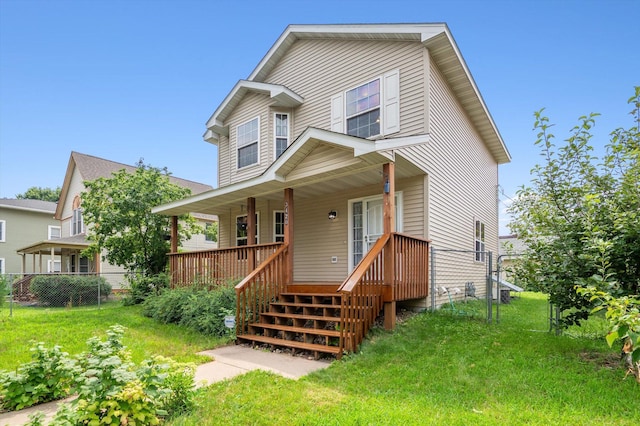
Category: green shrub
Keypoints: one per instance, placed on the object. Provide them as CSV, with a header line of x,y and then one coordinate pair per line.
x,y
65,290
141,287
196,308
48,377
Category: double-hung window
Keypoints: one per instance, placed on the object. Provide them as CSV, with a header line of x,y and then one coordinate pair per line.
x,y
278,226
371,109
248,140
479,241
363,110
1,265
3,230
77,224
281,126
54,233
241,230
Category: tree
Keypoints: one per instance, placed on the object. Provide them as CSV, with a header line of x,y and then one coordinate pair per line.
x,y
38,193
579,210
118,212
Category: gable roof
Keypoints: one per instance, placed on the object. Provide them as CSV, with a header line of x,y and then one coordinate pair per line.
x,y
90,168
434,36
37,206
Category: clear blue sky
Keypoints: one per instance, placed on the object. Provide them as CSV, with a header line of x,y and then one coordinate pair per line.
x,y
125,80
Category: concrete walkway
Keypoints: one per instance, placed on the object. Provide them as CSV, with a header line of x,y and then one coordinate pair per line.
x,y
229,361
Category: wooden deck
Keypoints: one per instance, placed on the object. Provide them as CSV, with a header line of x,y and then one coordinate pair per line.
x,y
321,318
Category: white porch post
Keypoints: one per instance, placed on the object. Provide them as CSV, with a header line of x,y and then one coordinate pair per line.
x,y
288,233
251,233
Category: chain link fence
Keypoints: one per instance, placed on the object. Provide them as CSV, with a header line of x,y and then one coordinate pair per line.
x,y
463,281
59,290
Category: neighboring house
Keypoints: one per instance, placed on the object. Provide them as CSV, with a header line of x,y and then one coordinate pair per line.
x,y
22,222
366,129
68,213
510,249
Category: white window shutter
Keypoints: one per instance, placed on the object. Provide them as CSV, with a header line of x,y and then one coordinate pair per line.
x,y
337,113
391,102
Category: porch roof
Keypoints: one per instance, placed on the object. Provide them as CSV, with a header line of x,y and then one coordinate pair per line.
x,y
355,162
77,242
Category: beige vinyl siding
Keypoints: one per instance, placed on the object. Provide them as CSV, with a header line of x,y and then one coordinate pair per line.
x,y
318,69
224,164
252,105
76,187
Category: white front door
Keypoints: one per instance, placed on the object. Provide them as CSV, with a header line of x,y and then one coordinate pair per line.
x,y
366,225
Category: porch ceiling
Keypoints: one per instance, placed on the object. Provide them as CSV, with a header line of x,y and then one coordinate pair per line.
x,y
321,163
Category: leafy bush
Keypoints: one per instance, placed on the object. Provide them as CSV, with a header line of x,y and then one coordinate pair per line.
x,y
111,389
145,286
48,377
64,290
196,308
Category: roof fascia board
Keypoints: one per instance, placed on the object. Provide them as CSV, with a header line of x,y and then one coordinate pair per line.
x,y
472,85
280,94
26,209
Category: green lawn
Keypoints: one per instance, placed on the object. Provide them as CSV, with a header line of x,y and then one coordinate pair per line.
x,y
70,329
444,370
437,368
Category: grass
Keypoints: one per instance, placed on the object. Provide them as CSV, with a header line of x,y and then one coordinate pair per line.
x,y
443,369
70,329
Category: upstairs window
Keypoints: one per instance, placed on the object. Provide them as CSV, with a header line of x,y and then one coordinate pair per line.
x,y
281,127
370,109
479,241
363,110
54,233
247,141
3,230
77,224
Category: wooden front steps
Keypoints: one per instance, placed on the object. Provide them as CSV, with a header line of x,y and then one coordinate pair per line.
x,y
300,321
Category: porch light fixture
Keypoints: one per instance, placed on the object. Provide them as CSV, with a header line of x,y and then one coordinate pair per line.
x,y
387,187
333,214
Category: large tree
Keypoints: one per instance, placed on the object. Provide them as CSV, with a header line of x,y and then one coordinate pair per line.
x,y
117,211
38,193
580,216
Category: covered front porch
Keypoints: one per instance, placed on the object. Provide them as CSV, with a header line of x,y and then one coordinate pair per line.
x,y
321,243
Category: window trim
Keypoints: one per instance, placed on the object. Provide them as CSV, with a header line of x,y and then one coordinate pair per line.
x,y
275,234
3,231
257,142
51,270
389,105
276,137
49,228
399,204
479,245
247,237
347,117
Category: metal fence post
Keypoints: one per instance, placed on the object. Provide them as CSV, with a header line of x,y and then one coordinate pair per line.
x,y
10,295
489,288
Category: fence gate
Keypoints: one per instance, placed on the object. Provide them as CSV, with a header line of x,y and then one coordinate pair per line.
x,y
459,276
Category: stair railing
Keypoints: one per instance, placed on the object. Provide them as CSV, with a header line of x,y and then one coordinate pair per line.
x,y
259,288
362,296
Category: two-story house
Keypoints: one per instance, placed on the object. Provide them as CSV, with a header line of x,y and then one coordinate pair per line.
x,y
72,238
379,137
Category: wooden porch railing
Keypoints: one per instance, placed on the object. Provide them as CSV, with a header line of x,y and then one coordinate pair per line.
x,y
365,290
261,287
411,279
214,267
362,296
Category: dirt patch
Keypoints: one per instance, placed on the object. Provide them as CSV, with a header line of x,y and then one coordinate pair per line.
x,y
610,361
